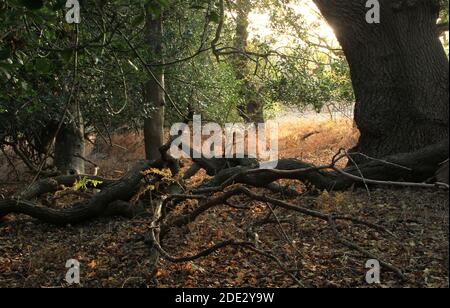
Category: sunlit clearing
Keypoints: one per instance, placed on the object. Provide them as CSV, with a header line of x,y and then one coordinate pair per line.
x,y
260,24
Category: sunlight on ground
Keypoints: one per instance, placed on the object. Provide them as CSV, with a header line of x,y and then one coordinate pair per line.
x,y
313,139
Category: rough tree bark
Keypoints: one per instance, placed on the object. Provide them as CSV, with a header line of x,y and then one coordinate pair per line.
x,y
70,145
415,167
251,109
111,201
399,72
115,196
154,95
442,175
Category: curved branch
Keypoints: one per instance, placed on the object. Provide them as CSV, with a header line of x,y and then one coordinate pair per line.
x,y
52,185
223,199
97,206
414,168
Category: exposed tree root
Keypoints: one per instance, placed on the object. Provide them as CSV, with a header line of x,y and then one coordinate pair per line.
x,y
97,206
419,165
77,214
51,185
114,196
414,168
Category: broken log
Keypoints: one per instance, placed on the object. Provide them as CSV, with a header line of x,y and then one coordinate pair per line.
x,y
413,167
51,185
121,190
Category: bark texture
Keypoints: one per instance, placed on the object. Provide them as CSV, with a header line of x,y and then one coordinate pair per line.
x,y
112,200
416,167
114,197
154,95
251,109
443,173
399,71
70,145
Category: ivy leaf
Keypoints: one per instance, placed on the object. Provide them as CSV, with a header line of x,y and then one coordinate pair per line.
x,y
5,72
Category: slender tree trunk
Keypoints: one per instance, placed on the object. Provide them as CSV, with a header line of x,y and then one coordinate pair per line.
x,y
251,109
399,71
70,145
154,94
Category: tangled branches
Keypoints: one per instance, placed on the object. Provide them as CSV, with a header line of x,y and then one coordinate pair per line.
x,y
121,197
161,226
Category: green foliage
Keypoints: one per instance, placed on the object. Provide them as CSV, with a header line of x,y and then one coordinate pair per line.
x,y
38,61
84,184
213,93
444,10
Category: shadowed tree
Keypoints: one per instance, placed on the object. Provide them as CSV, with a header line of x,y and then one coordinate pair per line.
x,y
399,72
70,144
251,107
154,95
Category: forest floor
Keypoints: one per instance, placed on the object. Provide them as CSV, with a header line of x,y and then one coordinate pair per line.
x,y
112,251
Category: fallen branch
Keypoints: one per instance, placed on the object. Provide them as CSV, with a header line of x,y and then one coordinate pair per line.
x,y
51,185
155,232
307,136
109,200
121,190
240,190
347,243
413,168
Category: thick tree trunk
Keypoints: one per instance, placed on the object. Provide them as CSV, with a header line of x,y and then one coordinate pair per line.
x,y
70,145
399,71
251,109
154,92
442,175
154,133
